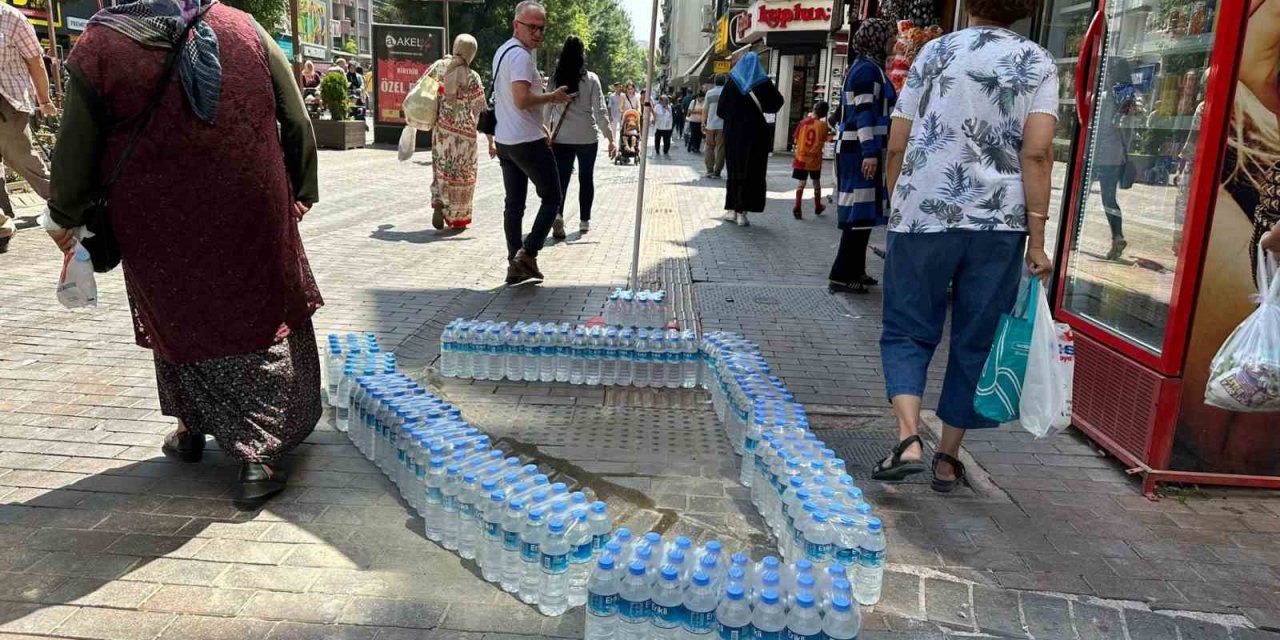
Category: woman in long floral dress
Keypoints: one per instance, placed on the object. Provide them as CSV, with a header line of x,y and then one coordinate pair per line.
x,y
453,140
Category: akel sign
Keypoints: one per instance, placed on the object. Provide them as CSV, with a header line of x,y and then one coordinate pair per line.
x,y
766,17
402,53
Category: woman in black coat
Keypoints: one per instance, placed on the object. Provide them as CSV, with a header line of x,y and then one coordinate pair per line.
x,y
747,140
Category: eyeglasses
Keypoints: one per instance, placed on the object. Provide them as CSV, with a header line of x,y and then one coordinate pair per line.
x,y
536,28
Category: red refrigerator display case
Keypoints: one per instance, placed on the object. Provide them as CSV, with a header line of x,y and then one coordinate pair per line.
x,y
1170,123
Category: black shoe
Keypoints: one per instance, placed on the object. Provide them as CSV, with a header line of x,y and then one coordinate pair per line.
x,y
869,281
437,218
4,243
259,481
557,228
846,287
186,446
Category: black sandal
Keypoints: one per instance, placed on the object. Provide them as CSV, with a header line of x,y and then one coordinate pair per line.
x,y
846,287
945,486
868,280
894,468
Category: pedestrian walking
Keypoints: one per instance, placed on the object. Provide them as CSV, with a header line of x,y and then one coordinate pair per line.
x,y
615,101
576,130
524,151
453,139
963,206
713,129
24,90
677,115
663,123
811,136
1115,106
862,202
743,105
694,121
206,211
686,103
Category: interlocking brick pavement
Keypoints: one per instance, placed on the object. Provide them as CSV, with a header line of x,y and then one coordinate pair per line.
x,y
101,537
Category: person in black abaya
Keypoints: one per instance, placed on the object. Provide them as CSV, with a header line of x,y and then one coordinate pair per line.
x,y
743,104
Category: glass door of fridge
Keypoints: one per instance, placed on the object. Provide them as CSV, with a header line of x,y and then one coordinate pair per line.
x,y
1142,112
1061,29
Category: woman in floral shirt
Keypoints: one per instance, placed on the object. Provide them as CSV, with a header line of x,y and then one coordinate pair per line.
x,y
970,157
453,139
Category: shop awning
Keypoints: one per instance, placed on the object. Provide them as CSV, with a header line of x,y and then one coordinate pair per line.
x,y
696,70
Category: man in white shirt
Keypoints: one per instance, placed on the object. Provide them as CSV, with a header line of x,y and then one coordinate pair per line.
x,y
523,150
713,130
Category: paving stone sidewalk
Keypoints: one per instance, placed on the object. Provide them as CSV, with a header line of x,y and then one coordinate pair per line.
x,y
103,538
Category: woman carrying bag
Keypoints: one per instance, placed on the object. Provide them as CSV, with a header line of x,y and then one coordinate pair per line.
x,y
576,129
453,138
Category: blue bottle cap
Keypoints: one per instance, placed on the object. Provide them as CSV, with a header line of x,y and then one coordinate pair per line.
x,y
556,525
536,514
676,556
613,547
769,596
739,559
841,585
805,581
670,573
599,507
874,524
803,565
804,600
840,603
735,592
701,579
636,568
606,562
653,538
771,563
497,496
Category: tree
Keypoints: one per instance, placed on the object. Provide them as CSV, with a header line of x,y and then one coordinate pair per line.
x,y
349,45
269,13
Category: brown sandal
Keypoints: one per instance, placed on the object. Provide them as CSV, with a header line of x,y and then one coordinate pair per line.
x,y
946,486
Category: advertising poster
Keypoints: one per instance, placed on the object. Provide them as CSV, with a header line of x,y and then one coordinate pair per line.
x,y
313,28
402,54
1247,205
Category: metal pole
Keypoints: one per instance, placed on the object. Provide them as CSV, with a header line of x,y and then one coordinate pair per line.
x,y
644,148
294,29
447,47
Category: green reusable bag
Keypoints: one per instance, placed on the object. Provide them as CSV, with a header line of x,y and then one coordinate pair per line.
x,y
999,392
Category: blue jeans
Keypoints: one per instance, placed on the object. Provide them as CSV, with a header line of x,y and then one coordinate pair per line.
x,y
585,154
522,163
982,269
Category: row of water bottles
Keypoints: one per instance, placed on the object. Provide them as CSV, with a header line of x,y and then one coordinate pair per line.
x,y
629,308
648,589
356,351
581,354
533,537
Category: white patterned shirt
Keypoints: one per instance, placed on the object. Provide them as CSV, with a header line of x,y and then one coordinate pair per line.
x,y
968,95
18,43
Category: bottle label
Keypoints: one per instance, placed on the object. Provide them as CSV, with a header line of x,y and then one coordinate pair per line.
x,y
633,612
699,622
434,495
750,445
558,563
582,553
847,557
598,541
726,632
667,616
602,605
450,503
510,540
400,455
420,471
344,413
467,510
871,559
792,635
529,552
492,531
768,635
816,552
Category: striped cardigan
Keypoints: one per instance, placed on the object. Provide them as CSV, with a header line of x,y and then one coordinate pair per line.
x,y
865,104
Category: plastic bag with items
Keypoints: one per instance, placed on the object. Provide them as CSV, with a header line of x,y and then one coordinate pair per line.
x,y
1045,407
1245,373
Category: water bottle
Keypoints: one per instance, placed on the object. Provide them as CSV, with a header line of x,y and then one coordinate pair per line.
x,y
843,620
691,361
673,360
531,554
658,359
578,357
870,574
491,558
751,439
581,551
513,345
595,356
768,619
804,621
343,418
600,526
433,518
667,604
547,353
819,539
553,592
609,358
626,357
641,368
602,601
564,353
496,353
513,520
633,603
449,507
700,602
468,529
333,365
733,616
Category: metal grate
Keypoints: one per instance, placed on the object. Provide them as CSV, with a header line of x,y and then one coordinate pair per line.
x,y
863,442
1115,395
731,301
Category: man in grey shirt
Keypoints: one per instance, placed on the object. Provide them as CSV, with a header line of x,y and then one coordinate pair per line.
x,y
713,129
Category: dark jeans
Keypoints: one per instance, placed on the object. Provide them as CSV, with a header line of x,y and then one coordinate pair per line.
x,y
585,154
679,122
851,259
520,164
695,136
662,141
1109,179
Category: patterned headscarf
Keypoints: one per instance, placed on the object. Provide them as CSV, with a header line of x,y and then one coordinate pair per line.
x,y
158,24
870,39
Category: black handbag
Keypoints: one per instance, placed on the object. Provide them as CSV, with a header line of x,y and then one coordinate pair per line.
x,y
487,123
103,247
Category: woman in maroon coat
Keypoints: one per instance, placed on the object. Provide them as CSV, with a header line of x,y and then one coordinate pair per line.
x,y
206,211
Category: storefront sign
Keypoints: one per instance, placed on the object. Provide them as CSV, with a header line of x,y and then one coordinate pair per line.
x,y
286,45
37,11
76,24
767,16
720,66
401,54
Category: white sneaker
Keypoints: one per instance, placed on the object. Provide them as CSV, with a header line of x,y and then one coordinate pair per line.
x,y
742,220
731,216
584,227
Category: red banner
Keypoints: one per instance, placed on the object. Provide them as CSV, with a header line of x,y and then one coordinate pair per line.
x,y
402,53
395,77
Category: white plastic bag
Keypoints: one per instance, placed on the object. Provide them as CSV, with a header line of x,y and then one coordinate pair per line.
x,y
1045,407
408,143
1245,373
76,284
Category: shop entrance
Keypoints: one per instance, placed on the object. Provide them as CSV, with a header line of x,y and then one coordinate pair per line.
x,y
804,81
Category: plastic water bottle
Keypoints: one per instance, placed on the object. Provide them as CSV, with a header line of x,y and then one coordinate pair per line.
x,y
768,619
602,601
578,358
667,608
449,507
333,365
434,516
468,526
512,526
595,356
600,525
547,354
700,602
626,357
819,539
641,368
658,359
633,603
531,554
609,358
804,621
564,353
525,343
553,592
733,616
513,345
691,360
870,574
491,558
673,360
343,417
581,551
843,620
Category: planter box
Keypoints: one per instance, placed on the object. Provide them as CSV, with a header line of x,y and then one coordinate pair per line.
x,y
339,134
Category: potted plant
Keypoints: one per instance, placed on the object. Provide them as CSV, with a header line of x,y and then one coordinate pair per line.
x,y
338,132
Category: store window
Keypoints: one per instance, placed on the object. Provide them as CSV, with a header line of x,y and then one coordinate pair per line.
x,y
804,82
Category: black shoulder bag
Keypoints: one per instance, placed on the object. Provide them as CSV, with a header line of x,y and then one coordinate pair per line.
x,y
103,247
487,123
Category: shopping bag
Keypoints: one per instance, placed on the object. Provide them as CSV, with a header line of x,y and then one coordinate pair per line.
x,y
76,284
408,143
1045,407
1245,373
422,103
999,392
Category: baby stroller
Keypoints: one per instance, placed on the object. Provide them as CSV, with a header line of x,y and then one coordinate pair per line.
x,y
629,150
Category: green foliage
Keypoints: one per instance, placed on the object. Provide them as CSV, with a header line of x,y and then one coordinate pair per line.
x,y
602,25
350,46
271,14
333,95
